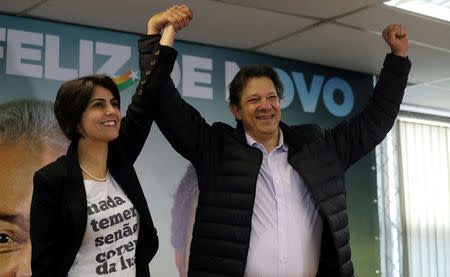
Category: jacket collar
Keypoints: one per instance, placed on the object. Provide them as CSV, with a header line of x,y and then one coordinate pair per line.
x,y
239,132
294,139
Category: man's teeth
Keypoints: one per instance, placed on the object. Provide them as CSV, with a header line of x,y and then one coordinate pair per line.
x,y
265,117
109,123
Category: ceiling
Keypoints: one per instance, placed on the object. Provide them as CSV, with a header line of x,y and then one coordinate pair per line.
x,y
344,34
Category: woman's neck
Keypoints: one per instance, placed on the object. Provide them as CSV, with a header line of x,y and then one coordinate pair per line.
x,y
93,157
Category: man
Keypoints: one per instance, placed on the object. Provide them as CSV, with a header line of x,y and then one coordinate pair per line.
x,y
272,197
29,139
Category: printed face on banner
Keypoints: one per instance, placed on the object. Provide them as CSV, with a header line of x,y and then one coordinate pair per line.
x,y
183,217
101,119
260,109
18,162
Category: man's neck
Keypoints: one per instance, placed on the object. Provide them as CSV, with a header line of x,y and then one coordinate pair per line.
x,y
269,142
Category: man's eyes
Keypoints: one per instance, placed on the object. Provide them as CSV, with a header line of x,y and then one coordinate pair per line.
x,y
4,238
12,242
271,97
8,243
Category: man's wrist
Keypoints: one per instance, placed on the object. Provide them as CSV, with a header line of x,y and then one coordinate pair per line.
x,y
168,36
403,54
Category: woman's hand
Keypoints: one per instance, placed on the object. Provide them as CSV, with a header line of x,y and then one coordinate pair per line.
x,y
177,16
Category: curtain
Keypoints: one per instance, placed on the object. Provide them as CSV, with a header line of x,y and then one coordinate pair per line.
x,y
425,196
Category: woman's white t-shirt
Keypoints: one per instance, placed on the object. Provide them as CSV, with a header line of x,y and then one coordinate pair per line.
x,y
110,240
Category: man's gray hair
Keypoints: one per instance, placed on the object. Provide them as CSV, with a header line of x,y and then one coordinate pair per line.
x,y
29,119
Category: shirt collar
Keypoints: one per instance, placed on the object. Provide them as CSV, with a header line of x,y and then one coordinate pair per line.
x,y
281,143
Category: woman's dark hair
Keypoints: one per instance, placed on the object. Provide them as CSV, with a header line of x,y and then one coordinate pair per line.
x,y
73,97
248,72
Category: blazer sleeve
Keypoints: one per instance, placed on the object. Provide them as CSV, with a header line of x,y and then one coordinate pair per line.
x,y
44,228
182,125
354,138
135,125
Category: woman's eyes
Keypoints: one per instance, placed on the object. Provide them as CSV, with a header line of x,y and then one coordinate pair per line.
x,y
102,104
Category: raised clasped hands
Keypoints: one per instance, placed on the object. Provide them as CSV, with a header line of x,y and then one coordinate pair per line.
x,y
177,17
396,38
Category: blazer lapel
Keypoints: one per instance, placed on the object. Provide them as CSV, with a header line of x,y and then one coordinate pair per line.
x,y
75,198
124,174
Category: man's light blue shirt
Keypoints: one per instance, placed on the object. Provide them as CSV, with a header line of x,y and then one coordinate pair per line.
x,y
286,227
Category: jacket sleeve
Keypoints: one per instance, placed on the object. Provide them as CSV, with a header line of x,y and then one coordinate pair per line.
x,y
355,137
44,228
135,125
181,124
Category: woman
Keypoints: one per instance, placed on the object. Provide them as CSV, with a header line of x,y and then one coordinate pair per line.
x,y
89,216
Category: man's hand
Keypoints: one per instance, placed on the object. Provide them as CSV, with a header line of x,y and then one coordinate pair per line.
x,y
177,16
397,39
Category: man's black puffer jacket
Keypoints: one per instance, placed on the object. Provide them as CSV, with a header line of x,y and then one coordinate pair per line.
x,y
227,170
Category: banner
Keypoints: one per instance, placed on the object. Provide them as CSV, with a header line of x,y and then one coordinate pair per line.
x,y
36,57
